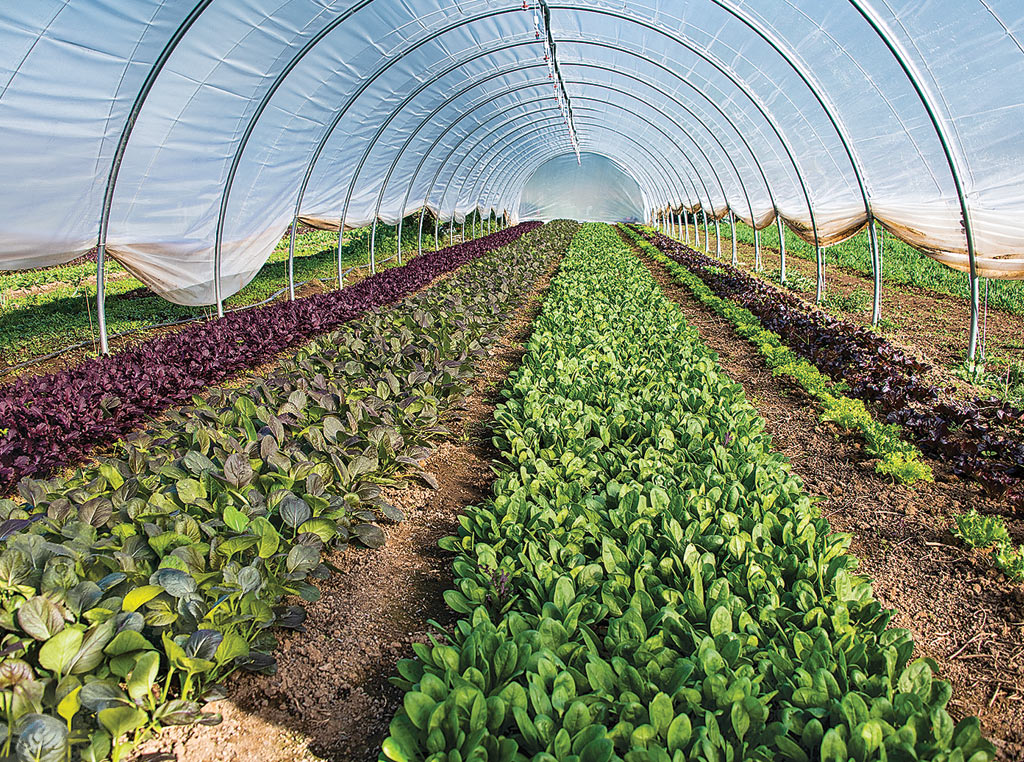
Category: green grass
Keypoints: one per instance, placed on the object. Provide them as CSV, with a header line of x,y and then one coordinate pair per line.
x,y
36,324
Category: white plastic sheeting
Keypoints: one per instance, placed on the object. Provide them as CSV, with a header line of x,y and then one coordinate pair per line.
x,y
594,188
815,111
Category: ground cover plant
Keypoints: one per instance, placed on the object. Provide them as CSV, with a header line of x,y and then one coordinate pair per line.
x,y
990,532
982,440
896,457
53,420
650,581
133,587
55,306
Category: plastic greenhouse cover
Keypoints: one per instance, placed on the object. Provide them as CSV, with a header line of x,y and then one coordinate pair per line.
x,y
250,113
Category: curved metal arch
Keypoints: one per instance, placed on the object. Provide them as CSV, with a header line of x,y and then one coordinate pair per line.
x,y
437,174
279,80
526,147
315,156
672,97
115,164
429,118
665,190
520,146
444,163
423,157
437,140
524,171
677,125
732,77
519,176
382,128
663,133
668,137
840,128
682,80
490,162
923,94
520,172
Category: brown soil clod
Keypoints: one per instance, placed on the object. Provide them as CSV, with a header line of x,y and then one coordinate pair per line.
x,y
960,612
330,698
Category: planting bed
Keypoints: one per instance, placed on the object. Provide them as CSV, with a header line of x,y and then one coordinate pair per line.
x,y
961,613
331,697
153,575
52,421
650,581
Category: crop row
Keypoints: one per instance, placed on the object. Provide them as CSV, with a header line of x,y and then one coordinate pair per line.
x,y
650,581
53,420
896,457
982,440
133,587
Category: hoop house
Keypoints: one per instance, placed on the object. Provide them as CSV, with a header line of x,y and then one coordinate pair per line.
x,y
183,138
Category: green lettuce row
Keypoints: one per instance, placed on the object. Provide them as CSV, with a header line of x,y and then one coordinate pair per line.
x,y
896,457
130,588
650,581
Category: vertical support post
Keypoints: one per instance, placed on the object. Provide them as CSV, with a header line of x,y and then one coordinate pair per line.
x,y
101,297
217,293
718,239
819,260
419,238
757,250
876,267
400,221
373,246
707,246
291,261
732,224
686,225
341,236
782,247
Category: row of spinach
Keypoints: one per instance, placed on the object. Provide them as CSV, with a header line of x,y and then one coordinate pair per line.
x,y
650,581
983,440
52,421
895,457
131,589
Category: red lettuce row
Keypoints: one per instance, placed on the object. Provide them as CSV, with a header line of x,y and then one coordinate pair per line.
x,y
983,440
53,420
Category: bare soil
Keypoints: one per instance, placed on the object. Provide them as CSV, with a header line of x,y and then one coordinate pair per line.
x,y
960,611
331,699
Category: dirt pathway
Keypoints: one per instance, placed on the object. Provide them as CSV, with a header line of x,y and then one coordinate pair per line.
x,y
961,613
331,699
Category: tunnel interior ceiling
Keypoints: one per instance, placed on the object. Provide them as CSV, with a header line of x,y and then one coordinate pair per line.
x,y
593,188
186,135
